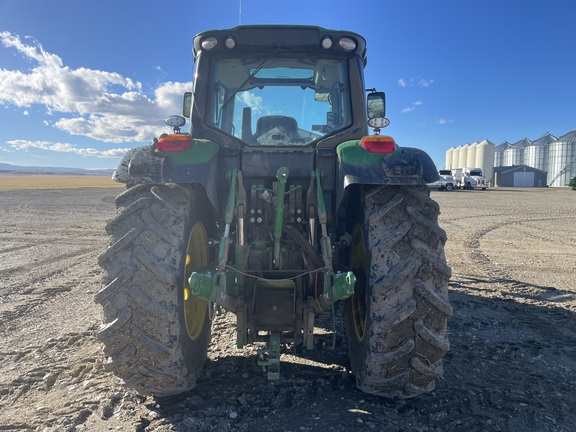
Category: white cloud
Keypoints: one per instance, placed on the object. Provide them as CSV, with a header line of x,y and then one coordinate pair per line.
x,y
422,82
253,101
98,104
415,82
444,121
110,127
169,96
412,108
33,52
23,145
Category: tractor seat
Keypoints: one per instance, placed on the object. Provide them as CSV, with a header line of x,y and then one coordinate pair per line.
x,y
287,126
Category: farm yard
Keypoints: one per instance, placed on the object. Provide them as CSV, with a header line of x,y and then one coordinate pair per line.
x,y
511,366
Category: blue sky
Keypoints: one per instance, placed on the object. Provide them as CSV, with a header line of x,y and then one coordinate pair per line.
x,y
83,81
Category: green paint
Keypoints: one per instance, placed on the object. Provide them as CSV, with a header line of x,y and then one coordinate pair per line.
x,y
201,285
282,176
337,286
352,153
200,152
228,218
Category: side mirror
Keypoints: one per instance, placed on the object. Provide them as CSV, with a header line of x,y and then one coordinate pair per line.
x,y
321,96
377,110
376,105
187,105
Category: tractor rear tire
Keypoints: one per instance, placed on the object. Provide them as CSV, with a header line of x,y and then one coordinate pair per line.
x,y
396,320
155,334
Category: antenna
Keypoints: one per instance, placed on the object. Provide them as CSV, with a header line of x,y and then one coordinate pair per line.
x,y
240,14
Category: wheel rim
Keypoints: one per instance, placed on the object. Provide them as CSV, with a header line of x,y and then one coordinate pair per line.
x,y
196,258
359,300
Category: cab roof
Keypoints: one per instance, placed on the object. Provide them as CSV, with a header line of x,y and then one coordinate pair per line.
x,y
282,38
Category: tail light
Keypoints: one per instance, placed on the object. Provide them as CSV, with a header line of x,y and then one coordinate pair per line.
x,y
379,144
174,143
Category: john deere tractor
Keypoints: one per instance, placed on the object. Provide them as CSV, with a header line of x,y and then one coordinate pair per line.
x,y
274,205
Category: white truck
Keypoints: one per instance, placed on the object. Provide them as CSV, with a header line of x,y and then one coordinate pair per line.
x,y
469,178
446,181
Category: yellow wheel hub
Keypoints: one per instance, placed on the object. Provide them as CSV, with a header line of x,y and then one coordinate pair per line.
x,y
196,258
359,299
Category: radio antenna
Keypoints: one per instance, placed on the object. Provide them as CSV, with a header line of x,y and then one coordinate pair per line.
x,y
240,14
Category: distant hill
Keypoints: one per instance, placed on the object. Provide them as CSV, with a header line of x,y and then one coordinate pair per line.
x,y
32,170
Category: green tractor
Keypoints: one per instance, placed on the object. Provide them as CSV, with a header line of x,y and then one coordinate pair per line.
x,y
275,205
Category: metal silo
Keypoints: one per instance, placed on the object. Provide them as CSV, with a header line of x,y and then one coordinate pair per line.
x,y
449,158
562,159
471,155
485,153
462,155
499,153
456,156
536,154
514,154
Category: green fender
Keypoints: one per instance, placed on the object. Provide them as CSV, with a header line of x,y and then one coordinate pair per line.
x,y
406,166
198,164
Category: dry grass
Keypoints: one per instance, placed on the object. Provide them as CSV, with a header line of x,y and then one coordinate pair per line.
x,y
22,182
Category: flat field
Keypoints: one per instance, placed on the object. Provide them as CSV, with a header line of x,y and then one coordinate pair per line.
x,y
28,182
511,366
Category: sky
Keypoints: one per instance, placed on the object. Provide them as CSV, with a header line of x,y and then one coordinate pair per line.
x,y
81,82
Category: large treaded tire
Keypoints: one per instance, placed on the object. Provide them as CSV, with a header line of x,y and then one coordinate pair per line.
x,y
144,331
396,320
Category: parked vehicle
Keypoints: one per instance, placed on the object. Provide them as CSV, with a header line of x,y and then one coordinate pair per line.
x,y
469,178
446,181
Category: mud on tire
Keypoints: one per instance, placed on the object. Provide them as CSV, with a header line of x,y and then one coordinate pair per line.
x,y
396,320
146,342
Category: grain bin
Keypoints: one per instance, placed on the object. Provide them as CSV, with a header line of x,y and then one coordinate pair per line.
x,y
485,152
462,156
449,158
471,155
536,154
514,155
499,153
562,159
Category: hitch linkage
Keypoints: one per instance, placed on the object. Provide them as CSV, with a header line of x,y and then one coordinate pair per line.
x,y
225,286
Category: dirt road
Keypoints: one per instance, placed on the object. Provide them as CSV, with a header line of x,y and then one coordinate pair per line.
x,y
511,367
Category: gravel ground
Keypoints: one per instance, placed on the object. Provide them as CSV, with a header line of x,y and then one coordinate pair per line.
x,y
511,367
